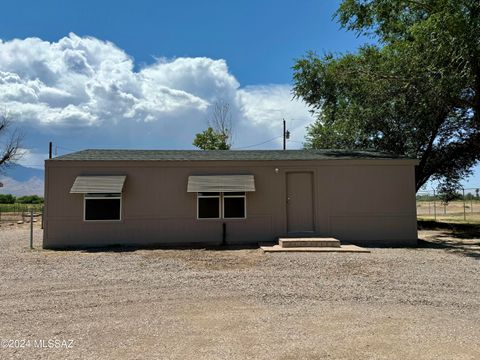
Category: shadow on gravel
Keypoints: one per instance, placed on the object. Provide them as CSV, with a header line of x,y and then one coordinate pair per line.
x,y
127,248
462,239
460,231
472,251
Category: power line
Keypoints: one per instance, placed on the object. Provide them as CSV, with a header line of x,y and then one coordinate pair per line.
x,y
298,126
264,142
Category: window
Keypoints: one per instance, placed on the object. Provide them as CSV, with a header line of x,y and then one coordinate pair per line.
x,y
231,205
234,205
208,204
102,207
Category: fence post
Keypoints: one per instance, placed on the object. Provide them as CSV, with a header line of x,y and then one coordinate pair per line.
x,y
464,206
31,228
434,206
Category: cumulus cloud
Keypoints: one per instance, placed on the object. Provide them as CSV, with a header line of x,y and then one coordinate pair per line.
x,y
81,82
31,158
84,92
267,105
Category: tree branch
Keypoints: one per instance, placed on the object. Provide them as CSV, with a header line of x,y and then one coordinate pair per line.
x,y
12,145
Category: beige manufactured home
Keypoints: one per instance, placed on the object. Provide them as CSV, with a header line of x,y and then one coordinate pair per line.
x,y
156,197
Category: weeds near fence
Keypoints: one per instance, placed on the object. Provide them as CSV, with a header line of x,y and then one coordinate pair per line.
x,y
11,213
19,208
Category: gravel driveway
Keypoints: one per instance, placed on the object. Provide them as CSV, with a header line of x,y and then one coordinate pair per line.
x,y
419,303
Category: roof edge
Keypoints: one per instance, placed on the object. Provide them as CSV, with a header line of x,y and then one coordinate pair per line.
x,y
226,155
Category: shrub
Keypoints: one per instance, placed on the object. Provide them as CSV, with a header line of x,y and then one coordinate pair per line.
x,y
30,199
7,199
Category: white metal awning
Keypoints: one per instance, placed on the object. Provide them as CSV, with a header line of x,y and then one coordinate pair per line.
x,y
98,184
221,183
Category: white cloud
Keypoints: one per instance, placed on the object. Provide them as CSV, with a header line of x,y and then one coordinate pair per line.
x,y
202,77
86,81
32,158
266,106
84,92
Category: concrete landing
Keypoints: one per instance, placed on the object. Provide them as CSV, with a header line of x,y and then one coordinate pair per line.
x,y
341,248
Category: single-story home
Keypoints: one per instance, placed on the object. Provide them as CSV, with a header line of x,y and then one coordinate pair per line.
x,y
173,197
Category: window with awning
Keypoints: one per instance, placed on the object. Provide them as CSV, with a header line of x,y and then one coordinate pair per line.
x,y
102,196
221,196
98,184
221,183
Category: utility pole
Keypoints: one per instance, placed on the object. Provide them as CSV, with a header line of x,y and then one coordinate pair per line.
x,y
50,150
286,135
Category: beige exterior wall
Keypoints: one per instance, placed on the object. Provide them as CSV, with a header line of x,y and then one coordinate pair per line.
x,y
362,201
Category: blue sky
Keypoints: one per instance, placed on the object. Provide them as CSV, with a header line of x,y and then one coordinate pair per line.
x,y
144,74
259,39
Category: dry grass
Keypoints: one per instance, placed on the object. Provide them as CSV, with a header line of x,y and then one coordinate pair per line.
x,y
454,212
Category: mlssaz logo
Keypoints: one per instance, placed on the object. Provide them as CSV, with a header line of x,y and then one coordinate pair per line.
x,y
54,344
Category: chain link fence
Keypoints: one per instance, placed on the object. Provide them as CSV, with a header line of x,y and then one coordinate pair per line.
x,y
464,207
11,214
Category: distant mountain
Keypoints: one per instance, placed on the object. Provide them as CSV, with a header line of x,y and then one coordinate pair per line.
x,y
23,173
21,180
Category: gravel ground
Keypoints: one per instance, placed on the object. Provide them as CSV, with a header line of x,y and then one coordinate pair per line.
x,y
418,303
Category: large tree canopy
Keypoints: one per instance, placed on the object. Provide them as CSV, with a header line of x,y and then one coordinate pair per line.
x,y
416,92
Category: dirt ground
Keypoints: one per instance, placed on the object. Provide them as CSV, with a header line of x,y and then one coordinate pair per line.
x,y
404,303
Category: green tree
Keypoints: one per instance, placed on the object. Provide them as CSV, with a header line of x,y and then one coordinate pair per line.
x,y
30,199
7,199
415,94
211,140
218,136
447,193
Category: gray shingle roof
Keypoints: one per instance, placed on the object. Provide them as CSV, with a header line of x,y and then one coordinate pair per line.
x,y
219,155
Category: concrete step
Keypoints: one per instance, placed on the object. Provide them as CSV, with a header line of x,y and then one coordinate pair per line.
x,y
310,242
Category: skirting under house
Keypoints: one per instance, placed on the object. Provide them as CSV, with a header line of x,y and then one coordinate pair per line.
x,y
160,198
